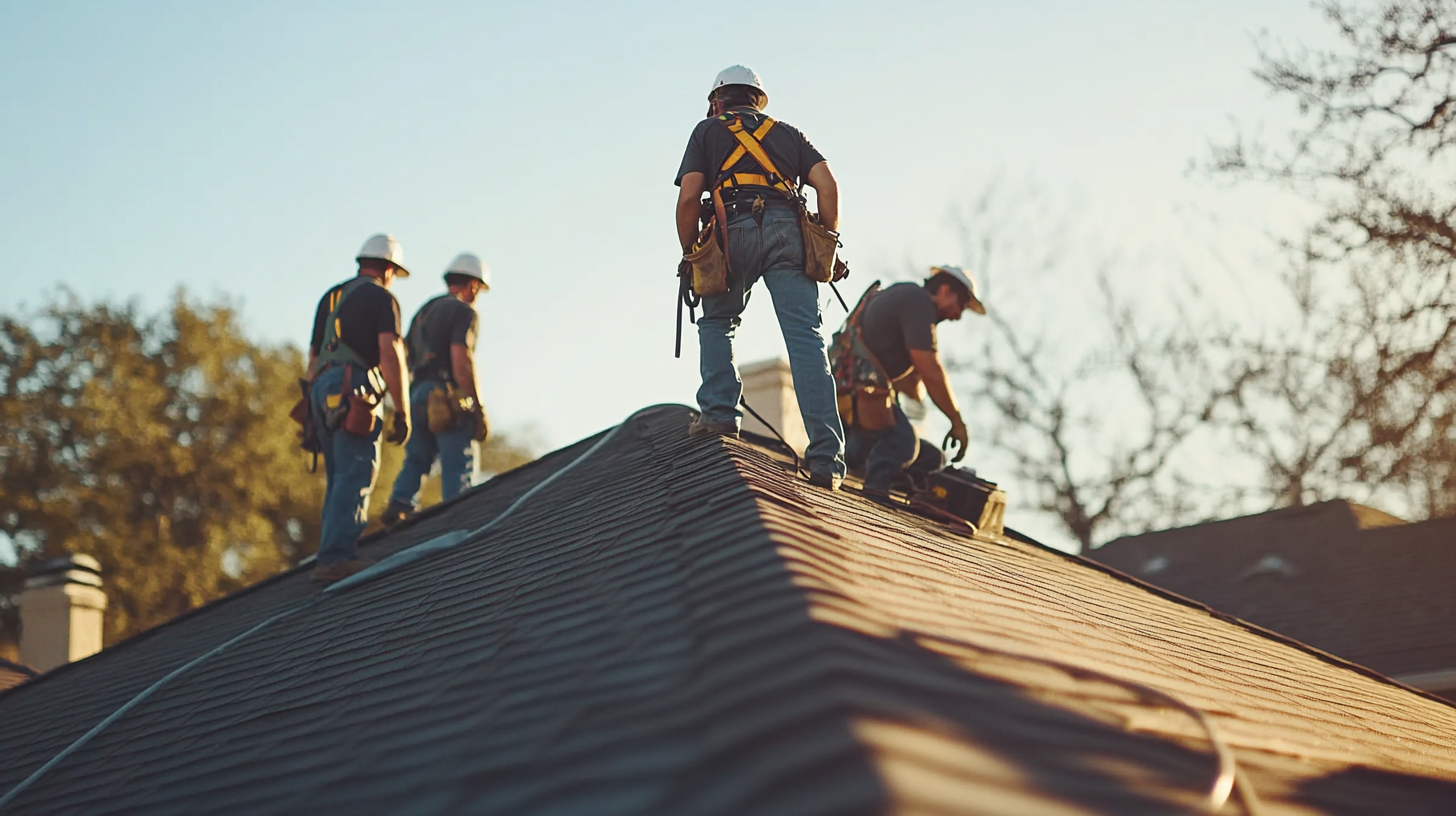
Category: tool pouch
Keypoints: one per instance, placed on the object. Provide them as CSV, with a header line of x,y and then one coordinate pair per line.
x,y
360,418
868,407
710,264
354,412
820,247
442,409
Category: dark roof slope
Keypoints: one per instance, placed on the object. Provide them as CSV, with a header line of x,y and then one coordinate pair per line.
x,y
683,627
1343,578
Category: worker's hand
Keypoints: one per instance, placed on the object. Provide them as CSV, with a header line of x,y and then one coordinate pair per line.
x,y
480,423
959,435
399,432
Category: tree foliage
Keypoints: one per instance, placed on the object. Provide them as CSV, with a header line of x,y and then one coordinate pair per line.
x,y
159,444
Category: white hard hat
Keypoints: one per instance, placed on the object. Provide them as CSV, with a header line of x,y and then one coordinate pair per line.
x,y
737,75
470,265
970,283
385,248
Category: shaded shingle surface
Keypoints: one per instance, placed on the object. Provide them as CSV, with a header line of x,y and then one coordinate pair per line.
x,y
682,627
1347,579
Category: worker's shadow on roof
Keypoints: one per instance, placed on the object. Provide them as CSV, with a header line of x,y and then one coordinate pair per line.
x,y
938,732
1374,791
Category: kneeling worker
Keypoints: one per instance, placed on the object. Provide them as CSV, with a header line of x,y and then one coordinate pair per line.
x,y
888,348
442,365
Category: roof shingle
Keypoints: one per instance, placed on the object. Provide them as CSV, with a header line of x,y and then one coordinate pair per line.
x,y
683,627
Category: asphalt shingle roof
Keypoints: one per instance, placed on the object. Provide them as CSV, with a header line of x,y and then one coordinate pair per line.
x,y
683,627
1338,576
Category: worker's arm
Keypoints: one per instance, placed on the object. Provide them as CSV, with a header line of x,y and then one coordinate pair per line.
x,y
821,178
932,373
462,365
396,376
688,206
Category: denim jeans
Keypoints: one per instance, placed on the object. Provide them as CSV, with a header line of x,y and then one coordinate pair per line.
x,y
775,253
887,453
455,449
351,464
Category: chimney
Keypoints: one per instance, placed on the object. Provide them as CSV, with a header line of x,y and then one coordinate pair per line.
x,y
60,611
768,386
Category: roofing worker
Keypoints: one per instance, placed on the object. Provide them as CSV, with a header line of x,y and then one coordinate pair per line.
x,y
356,354
760,215
888,348
442,366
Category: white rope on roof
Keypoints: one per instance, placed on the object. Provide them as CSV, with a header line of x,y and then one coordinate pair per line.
x,y
406,556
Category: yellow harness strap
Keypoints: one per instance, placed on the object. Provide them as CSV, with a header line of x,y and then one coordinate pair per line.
x,y
749,143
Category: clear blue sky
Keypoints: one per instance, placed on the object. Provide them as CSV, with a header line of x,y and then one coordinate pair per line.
x,y
249,148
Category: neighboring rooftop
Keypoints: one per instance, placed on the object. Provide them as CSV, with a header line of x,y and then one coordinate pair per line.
x,y
13,674
1347,579
684,627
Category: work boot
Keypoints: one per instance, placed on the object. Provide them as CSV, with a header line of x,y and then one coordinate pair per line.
x,y
699,428
339,570
394,513
878,496
828,481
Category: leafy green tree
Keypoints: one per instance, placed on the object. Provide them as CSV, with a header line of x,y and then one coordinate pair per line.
x,y
160,444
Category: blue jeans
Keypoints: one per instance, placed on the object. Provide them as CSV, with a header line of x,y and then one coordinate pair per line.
x,y
351,464
775,253
455,449
887,453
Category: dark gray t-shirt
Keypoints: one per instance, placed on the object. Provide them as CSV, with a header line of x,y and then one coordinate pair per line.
x,y
711,143
439,324
898,319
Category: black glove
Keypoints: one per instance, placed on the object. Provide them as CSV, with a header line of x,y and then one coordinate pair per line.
x,y
960,436
399,432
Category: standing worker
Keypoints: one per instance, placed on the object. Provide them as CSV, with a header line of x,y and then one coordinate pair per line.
x,y
886,349
354,355
752,167
442,366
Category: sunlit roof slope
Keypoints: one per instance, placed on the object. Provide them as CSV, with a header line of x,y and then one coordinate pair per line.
x,y
683,627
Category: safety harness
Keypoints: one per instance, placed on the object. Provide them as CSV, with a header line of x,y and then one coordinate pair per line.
x,y
751,144
427,360
863,388
852,362
336,352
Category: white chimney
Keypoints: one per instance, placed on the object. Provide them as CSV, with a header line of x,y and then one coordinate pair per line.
x,y
768,386
60,612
